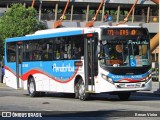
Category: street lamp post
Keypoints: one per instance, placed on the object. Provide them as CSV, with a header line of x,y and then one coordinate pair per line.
x,y
40,10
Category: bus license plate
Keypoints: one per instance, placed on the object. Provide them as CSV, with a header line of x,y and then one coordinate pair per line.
x,y
130,85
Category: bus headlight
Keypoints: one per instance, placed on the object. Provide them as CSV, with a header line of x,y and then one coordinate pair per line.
x,y
107,78
147,78
104,76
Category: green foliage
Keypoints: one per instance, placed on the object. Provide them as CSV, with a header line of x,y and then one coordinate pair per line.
x,y
18,21
112,12
1,48
92,12
126,13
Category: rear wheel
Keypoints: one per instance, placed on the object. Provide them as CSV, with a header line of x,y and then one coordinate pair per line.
x,y
124,96
76,87
32,88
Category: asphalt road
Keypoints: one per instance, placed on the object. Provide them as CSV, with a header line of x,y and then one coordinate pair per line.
x,y
99,106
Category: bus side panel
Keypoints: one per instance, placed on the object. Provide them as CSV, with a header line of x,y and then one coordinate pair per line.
x,y
64,72
79,71
51,75
35,69
10,75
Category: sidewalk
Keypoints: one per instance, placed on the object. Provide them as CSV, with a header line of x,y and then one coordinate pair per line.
x,y
3,85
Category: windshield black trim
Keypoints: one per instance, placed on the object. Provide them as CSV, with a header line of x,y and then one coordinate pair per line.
x,y
127,70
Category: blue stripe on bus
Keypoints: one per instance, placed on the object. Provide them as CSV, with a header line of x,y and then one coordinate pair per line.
x,y
40,36
60,70
117,78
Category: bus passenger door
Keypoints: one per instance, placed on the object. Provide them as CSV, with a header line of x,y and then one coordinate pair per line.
x,y
19,48
90,61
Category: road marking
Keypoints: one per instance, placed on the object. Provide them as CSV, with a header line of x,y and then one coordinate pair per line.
x,y
47,110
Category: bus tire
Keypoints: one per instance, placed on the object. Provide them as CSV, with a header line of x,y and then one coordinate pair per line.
x,y
32,88
76,87
82,95
124,96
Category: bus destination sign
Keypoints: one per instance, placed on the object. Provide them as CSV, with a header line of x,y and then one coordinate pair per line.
x,y
122,32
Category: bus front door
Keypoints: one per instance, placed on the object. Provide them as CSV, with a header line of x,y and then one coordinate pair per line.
x,y
19,49
89,63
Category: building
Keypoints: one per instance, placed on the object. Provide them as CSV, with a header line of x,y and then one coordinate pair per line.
x,y
145,13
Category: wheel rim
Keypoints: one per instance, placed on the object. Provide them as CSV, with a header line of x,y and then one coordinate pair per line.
x,y
81,91
31,87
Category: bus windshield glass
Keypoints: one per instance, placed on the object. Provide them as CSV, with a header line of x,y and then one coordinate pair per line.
x,y
121,50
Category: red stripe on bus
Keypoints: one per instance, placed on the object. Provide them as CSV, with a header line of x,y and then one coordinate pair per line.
x,y
130,80
25,76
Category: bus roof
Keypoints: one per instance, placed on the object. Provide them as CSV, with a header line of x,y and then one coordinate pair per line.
x,y
64,31
118,26
58,32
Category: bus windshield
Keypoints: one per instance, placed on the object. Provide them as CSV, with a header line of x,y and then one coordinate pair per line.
x,y
124,52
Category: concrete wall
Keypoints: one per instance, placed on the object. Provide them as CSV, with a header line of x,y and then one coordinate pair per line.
x,y
109,1
2,10
152,27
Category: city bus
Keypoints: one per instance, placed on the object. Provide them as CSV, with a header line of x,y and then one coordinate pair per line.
x,y
80,61
124,60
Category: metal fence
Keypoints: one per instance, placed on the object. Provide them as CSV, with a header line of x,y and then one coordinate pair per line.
x,y
82,17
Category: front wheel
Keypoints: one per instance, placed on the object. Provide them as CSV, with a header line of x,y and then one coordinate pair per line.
x,y
80,91
32,88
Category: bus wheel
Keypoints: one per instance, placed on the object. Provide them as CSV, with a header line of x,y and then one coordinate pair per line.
x,y
82,95
124,96
76,87
32,87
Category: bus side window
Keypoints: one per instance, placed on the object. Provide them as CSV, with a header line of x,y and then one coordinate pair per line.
x,y
57,54
62,54
69,50
11,52
13,58
30,56
74,52
79,53
78,47
45,56
50,56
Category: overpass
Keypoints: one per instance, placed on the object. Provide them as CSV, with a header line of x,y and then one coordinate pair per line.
x,y
79,12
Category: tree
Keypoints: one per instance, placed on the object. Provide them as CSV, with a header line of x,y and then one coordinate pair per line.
x,y
18,21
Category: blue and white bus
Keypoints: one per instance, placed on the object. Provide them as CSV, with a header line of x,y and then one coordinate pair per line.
x,y
82,61
124,63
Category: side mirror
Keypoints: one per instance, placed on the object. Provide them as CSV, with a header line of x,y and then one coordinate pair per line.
x,y
99,56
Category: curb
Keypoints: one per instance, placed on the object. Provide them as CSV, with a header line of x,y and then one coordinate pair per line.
x,y
155,94
3,85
